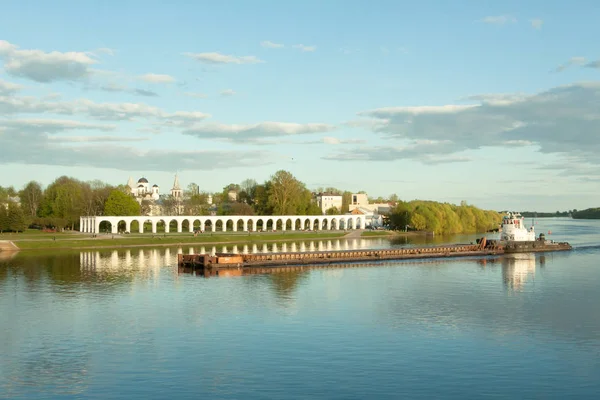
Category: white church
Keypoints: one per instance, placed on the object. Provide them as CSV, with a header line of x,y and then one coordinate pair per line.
x,y
143,191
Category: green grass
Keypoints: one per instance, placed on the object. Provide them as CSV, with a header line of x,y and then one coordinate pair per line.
x,y
85,240
377,233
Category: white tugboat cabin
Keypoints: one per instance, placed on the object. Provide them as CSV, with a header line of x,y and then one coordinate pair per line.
x,y
513,229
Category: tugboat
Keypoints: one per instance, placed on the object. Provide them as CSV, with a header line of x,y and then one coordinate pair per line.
x,y
516,238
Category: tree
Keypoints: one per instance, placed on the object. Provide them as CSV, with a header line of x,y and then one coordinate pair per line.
x,y
64,199
193,189
4,224
31,197
346,200
332,211
284,193
121,204
17,222
171,205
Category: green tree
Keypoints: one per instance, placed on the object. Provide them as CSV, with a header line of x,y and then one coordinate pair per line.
x,y
31,197
64,199
121,204
346,200
17,221
4,224
285,193
332,211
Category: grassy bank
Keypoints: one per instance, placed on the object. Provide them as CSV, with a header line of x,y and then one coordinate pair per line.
x,y
32,241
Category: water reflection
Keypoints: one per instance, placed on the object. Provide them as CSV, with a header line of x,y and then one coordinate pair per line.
x,y
517,270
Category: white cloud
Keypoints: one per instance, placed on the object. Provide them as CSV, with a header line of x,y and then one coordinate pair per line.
x,y
157,78
106,50
227,92
270,45
573,61
114,87
537,23
253,132
593,64
8,87
335,141
218,58
305,48
44,67
564,119
94,139
189,115
51,125
37,147
10,105
499,19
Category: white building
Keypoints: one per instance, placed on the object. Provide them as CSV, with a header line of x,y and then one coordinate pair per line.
x,y
361,200
143,191
326,201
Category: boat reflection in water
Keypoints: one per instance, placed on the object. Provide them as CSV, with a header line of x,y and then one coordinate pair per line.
x,y
518,269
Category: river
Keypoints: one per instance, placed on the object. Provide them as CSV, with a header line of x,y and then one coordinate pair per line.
x,y
130,324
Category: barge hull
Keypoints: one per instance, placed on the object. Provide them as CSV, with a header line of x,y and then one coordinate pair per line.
x,y
483,248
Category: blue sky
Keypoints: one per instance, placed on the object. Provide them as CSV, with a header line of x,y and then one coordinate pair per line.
x,y
495,103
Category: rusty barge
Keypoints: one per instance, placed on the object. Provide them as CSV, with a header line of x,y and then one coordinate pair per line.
x,y
483,247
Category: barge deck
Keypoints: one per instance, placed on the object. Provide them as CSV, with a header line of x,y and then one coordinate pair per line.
x,y
482,248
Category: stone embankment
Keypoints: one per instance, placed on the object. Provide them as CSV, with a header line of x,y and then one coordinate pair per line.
x,y
7,245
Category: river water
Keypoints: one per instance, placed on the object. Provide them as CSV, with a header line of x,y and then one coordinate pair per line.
x,y
130,324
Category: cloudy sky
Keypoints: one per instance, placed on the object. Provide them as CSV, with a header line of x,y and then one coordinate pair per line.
x,y
495,103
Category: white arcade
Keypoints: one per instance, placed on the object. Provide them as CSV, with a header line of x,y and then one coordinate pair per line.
x,y
232,223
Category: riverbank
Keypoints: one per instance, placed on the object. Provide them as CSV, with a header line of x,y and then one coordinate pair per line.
x,y
36,240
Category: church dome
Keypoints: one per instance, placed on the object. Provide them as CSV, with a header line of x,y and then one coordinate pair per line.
x,y
143,180
154,185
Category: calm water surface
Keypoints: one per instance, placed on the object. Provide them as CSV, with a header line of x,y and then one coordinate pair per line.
x,y
129,324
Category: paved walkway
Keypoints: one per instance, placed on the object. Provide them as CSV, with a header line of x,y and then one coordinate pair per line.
x,y
354,233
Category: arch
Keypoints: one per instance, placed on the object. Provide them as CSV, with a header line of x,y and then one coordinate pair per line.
x,y
240,224
229,225
186,225
315,224
196,224
251,225
161,226
306,224
298,224
219,225
268,225
122,225
172,226
209,226
134,226
333,224
105,226
350,223
278,226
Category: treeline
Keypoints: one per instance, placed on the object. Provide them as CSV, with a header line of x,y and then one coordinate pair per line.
x,y
590,213
60,205
535,214
442,218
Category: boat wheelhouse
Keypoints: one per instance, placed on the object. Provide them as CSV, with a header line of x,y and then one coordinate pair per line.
x,y
513,229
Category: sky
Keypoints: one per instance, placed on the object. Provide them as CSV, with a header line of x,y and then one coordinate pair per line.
x,y
494,103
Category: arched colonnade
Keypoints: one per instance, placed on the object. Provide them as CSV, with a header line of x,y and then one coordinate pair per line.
x,y
232,223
